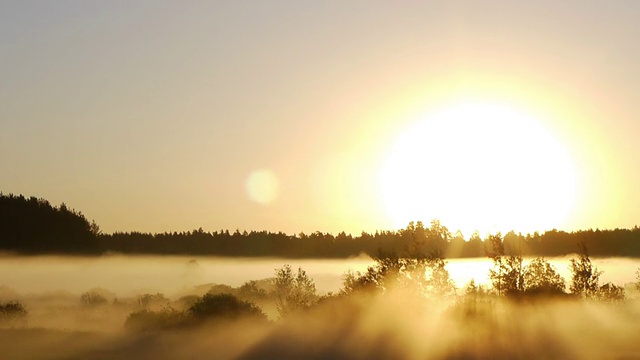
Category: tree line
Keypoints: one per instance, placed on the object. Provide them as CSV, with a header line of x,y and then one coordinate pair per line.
x,y
34,226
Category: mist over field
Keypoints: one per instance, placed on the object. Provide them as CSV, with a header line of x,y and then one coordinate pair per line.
x,y
369,327
121,307
130,275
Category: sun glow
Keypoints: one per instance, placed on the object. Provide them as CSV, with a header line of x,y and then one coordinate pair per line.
x,y
478,166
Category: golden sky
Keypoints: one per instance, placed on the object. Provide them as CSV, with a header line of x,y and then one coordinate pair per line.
x,y
302,116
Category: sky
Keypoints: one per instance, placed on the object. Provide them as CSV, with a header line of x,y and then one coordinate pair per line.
x,y
302,116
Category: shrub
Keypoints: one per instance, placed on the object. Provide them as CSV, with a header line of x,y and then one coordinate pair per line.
x,y
224,306
145,320
250,291
95,297
12,312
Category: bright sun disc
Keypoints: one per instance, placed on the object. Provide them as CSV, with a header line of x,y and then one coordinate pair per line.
x,y
478,166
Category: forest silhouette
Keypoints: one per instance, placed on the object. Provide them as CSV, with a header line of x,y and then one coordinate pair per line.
x,y
403,306
29,225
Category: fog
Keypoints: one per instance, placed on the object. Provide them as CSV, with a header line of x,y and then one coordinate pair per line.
x,y
130,275
172,275
394,324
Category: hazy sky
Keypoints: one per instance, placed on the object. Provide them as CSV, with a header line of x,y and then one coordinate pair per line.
x,y
281,115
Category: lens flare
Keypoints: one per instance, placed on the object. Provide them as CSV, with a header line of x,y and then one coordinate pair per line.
x,y
262,186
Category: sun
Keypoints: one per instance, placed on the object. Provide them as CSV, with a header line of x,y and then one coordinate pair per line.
x,y
478,166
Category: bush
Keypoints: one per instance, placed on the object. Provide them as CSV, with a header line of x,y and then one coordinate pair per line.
x,y
224,306
250,291
94,298
145,320
12,312
206,308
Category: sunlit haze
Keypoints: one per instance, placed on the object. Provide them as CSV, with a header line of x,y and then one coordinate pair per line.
x,y
301,116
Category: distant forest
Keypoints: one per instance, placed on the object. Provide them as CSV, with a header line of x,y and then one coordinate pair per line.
x,y
34,226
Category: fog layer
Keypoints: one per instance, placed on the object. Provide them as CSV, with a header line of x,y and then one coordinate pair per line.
x,y
176,308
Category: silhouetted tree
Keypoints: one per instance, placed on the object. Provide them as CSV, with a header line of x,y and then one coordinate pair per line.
x,y
513,275
351,283
293,292
470,298
31,225
585,275
495,251
369,281
438,280
610,293
507,275
541,276
473,295
390,271
386,273
416,273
